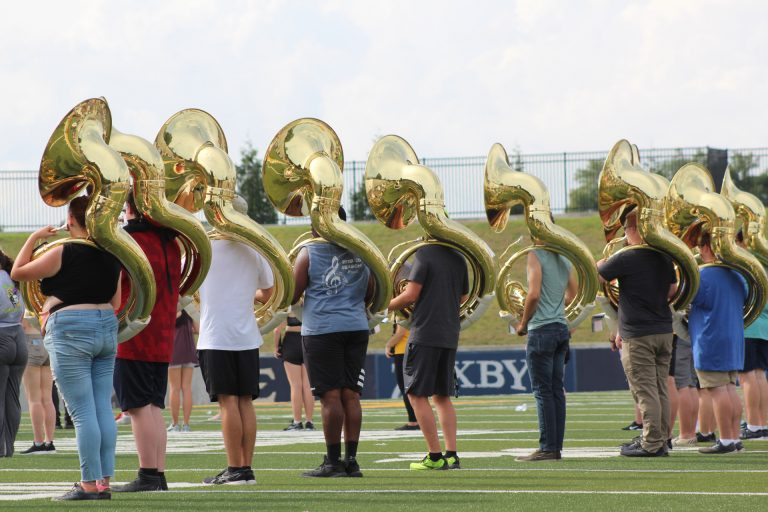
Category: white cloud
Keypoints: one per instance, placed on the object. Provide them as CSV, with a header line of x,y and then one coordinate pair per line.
x,y
452,77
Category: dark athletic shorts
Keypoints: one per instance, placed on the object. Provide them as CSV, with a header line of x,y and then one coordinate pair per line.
x,y
336,360
140,383
429,371
755,354
230,372
291,348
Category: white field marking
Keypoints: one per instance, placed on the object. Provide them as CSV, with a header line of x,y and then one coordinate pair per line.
x,y
513,452
49,490
211,441
37,490
521,468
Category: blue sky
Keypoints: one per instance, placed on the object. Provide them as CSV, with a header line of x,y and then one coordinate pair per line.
x,y
451,77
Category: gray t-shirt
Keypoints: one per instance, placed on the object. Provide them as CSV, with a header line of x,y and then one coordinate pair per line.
x,y
442,272
11,305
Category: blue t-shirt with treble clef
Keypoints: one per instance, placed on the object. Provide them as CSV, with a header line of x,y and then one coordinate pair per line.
x,y
334,300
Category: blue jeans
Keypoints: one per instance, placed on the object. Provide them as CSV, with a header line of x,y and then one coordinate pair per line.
x,y
82,345
545,355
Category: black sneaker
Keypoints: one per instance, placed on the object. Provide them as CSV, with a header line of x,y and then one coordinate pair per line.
x,y
142,483
163,483
719,449
408,427
709,438
669,443
353,468
327,469
37,450
739,446
633,426
750,434
637,440
309,426
295,425
228,477
250,478
638,451
77,494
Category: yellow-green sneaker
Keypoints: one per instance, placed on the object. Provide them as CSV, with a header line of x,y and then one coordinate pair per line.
x,y
427,463
453,462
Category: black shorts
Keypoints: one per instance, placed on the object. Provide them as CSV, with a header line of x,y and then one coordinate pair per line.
x,y
336,360
673,358
291,348
755,354
230,372
429,370
140,383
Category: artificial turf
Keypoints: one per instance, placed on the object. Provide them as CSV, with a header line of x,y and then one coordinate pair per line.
x,y
492,432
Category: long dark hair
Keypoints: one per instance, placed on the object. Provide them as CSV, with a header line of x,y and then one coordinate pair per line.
x,y
6,262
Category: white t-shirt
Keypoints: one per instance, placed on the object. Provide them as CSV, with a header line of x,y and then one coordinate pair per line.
x,y
226,297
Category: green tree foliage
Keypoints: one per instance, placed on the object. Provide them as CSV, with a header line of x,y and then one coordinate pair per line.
x,y
360,208
584,196
669,166
742,167
251,187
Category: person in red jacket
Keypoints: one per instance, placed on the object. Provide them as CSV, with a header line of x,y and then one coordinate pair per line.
x,y
141,368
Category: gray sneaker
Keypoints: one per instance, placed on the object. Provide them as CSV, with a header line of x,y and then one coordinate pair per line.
x,y
185,428
719,449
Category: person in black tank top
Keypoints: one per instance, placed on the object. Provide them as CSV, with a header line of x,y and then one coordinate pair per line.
x,y
288,348
83,288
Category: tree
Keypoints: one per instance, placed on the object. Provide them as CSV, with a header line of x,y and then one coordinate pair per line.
x,y
361,210
668,168
251,187
584,196
741,166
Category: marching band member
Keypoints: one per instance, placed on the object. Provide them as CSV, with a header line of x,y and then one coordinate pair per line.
x,y
141,369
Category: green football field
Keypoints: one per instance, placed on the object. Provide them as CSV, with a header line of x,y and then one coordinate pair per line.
x,y
492,431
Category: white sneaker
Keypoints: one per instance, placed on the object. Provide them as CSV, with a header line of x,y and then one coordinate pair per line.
x,y
682,441
174,428
123,419
185,428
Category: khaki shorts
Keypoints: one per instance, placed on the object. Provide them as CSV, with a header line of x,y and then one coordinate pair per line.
x,y
38,356
715,379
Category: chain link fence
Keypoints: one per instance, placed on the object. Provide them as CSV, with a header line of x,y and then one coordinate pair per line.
x,y
571,178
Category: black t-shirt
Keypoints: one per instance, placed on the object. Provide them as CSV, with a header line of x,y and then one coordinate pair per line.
x,y
442,272
87,276
644,277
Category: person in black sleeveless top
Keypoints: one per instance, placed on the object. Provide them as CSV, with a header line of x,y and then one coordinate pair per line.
x,y
83,289
288,348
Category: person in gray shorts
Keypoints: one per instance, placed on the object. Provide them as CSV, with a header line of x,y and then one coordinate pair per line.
x,y
38,387
687,392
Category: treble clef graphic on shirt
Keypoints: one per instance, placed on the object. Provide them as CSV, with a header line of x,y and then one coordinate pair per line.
x,y
333,279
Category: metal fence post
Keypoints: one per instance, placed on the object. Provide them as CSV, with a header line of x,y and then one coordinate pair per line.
x,y
565,179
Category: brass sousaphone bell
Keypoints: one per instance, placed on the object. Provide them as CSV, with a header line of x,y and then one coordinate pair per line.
x,y
400,190
622,184
302,176
751,211
200,174
505,188
78,155
146,166
693,207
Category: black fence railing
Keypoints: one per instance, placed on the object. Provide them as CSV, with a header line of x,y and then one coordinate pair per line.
x,y
570,177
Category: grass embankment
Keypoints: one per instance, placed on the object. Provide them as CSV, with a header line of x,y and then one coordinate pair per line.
x,y
489,329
